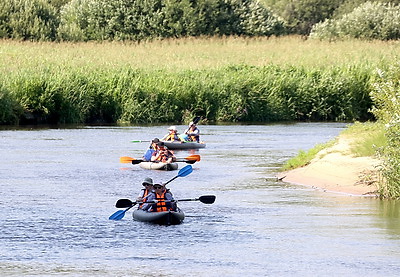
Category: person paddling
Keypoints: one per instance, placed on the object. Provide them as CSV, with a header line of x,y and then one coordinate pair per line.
x,y
172,135
193,132
162,154
162,198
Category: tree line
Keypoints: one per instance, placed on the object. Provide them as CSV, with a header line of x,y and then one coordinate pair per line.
x,y
84,20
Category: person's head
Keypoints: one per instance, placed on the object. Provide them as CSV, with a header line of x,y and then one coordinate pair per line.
x,y
161,145
158,187
192,125
147,182
172,129
155,140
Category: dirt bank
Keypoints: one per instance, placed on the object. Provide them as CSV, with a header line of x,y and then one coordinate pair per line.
x,y
336,170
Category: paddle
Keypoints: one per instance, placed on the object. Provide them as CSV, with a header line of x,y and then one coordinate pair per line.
x,y
196,119
189,159
123,202
206,199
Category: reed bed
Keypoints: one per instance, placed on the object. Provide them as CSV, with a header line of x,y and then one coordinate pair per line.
x,y
221,79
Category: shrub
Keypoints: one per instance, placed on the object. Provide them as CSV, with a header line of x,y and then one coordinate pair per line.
x,y
28,20
372,20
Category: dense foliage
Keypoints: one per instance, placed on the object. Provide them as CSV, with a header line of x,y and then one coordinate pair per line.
x,y
386,96
81,20
372,20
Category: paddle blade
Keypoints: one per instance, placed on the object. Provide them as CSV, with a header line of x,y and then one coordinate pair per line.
x,y
193,158
118,215
196,119
207,199
185,171
126,160
124,203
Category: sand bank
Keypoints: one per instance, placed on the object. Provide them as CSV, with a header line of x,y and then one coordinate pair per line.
x,y
336,170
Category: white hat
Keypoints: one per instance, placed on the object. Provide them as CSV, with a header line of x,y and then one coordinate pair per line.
x,y
191,123
172,128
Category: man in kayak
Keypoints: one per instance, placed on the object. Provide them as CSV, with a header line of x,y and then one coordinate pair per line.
x,y
146,191
162,198
193,132
151,150
172,135
162,154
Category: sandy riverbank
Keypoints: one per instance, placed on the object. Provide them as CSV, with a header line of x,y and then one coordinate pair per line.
x,y
336,170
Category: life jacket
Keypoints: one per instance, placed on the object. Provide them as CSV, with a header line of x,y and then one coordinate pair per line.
x,y
161,205
164,157
192,138
146,192
172,137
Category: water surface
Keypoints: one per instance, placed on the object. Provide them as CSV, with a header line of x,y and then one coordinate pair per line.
x,y
59,186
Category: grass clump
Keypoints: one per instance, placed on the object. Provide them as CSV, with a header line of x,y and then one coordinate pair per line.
x,y
365,138
303,158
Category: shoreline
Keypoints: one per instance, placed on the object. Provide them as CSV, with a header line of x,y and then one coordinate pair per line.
x,y
335,170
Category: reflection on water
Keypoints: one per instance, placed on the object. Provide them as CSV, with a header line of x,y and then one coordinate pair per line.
x,y
59,187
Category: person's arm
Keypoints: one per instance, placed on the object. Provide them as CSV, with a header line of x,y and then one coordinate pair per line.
x,y
147,206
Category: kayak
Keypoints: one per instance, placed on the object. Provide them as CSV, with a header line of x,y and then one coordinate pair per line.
x,y
184,145
159,166
162,218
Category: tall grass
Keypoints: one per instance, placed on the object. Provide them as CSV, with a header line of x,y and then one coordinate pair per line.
x,y
225,79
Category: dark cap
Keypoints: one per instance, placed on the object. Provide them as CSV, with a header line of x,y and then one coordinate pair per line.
x,y
155,140
161,144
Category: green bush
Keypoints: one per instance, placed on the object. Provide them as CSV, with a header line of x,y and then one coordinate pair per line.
x,y
143,20
28,20
372,20
386,96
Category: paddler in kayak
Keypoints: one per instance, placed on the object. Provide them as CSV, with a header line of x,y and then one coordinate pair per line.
x,y
164,201
172,135
193,133
151,150
146,191
162,154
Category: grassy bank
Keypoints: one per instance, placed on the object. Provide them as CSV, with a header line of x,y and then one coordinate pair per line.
x,y
220,79
365,140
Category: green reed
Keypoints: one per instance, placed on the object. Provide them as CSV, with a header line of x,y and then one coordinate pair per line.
x,y
224,79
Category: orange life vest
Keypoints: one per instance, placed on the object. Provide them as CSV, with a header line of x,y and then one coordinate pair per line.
x,y
164,157
161,205
145,194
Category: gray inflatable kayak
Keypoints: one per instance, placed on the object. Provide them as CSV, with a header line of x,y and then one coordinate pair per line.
x,y
162,218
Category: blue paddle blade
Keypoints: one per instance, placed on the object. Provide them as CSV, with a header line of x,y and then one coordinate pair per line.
x,y
185,171
117,215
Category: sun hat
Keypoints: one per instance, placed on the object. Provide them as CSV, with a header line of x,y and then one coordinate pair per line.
x,y
159,183
155,140
191,123
147,180
172,128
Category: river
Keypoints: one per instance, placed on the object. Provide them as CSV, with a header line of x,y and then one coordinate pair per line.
x,y
60,185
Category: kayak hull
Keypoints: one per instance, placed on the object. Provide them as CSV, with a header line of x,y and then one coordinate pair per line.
x,y
159,166
173,145
161,218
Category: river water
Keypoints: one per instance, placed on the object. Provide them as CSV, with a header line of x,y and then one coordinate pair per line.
x,y
59,186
